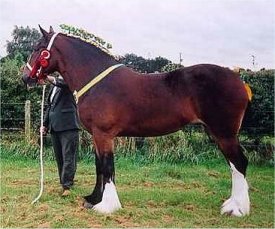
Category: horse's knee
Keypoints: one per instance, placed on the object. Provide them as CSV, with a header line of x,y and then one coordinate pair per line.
x,y
233,153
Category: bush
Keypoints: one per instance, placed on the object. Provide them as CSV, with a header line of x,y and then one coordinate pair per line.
x,y
259,118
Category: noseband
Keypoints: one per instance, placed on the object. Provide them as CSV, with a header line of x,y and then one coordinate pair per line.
x,y
41,62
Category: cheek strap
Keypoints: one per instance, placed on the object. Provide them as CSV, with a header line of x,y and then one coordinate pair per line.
x,y
42,62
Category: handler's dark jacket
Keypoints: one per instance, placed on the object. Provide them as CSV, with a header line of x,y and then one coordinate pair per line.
x,y
61,113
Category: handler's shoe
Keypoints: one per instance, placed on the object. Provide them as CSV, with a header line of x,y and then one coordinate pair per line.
x,y
66,192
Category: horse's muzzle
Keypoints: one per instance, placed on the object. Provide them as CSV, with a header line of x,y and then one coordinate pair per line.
x,y
29,81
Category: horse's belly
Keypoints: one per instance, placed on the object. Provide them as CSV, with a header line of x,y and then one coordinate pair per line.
x,y
146,133
153,127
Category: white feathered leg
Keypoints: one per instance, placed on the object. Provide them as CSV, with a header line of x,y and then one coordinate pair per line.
x,y
238,204
110,201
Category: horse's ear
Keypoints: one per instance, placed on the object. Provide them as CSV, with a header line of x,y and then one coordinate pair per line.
x,y
44,32
51,29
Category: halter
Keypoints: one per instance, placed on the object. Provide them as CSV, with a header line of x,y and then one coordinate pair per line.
x,y
41,62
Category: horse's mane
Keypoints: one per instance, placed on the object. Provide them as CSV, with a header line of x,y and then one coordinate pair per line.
x,y
81,36
87,38
90,43
91,47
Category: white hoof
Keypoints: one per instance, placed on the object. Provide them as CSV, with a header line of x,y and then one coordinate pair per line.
x,y
235,208
110,201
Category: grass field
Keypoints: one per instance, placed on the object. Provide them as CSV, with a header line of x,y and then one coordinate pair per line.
x,y
152,195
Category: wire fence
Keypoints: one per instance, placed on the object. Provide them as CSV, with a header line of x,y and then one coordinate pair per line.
x,y
13,128
13,120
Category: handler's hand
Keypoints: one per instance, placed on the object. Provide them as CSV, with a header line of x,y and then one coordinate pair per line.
x,y
41,82
44,130
51,79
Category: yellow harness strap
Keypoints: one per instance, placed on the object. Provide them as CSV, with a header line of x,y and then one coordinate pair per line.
x,y
94,81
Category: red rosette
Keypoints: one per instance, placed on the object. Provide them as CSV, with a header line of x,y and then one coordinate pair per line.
x,y
44,63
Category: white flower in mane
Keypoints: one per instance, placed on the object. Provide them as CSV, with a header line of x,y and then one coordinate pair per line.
x,y
87,37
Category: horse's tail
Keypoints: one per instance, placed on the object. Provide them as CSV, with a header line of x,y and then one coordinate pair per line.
x,y
246,85
248,91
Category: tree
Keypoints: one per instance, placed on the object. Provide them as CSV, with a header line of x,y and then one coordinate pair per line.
x,y
18,49
144,65
133,61
23,42
158,63
13,90
170,67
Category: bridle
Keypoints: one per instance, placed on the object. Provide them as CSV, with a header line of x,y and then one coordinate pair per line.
x,y
41,62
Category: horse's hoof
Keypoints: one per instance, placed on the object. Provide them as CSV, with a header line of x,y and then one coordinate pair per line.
x,y
87,205
233,208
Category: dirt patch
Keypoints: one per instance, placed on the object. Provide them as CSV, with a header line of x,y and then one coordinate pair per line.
x,y
31,171
44,225
53,190
43,207
94,225
211,221
253,189
213,174
59,218
196,185
5,199
148,184
125,221
20,182
86,216
165,185
189,207
153,204
168,219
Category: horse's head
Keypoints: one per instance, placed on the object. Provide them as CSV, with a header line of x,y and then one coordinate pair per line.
x,y
42,61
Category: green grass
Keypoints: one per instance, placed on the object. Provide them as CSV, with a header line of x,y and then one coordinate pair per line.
x,y
152,194
190,146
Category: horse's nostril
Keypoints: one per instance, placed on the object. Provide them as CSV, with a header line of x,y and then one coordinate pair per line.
x,y
30,83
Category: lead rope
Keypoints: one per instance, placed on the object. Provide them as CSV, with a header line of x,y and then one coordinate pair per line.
x,y
41,149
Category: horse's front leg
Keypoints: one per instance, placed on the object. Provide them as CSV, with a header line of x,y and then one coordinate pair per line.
x,y
104,198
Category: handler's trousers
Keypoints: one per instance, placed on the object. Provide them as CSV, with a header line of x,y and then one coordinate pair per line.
x,y
65,145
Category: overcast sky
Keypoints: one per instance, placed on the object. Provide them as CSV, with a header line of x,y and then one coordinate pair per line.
x,y
223,32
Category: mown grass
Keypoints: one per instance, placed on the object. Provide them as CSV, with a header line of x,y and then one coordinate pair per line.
x,y
155,194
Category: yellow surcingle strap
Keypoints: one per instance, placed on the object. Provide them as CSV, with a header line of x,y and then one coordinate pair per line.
x,y
94,81
248,91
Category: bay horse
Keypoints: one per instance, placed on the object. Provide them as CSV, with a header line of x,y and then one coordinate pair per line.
x,y
122,102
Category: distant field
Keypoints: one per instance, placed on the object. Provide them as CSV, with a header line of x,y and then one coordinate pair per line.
x,y
152,195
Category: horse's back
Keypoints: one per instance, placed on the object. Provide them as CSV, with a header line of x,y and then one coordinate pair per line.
x,y
206,81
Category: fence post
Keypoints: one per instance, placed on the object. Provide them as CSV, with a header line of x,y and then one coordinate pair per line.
x,y
28,120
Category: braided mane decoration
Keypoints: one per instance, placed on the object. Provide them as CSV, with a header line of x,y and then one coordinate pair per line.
x,y
87,37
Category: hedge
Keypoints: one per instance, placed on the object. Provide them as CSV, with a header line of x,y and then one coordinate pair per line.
x,y
259,118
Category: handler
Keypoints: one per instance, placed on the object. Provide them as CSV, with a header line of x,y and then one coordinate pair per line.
x,y
61,120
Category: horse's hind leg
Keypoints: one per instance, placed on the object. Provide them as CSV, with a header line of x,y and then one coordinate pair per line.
x,y
104,198
223,117
238,204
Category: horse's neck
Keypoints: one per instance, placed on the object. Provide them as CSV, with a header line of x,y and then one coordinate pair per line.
x,y
81,63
